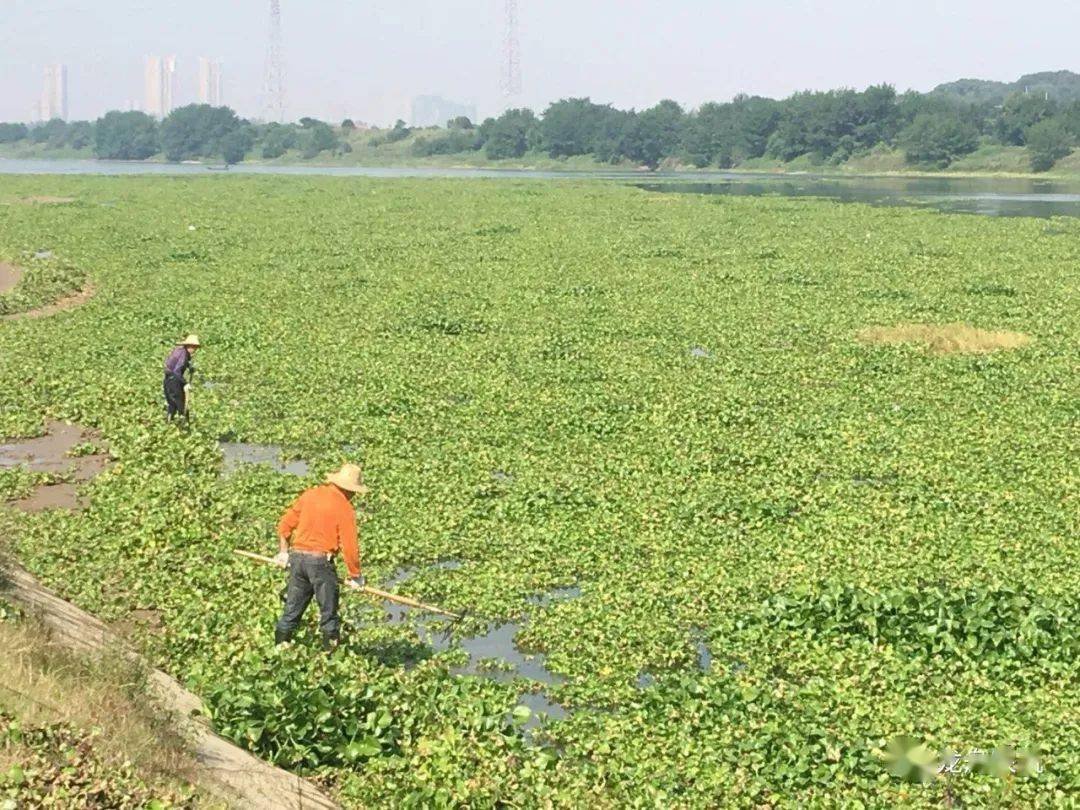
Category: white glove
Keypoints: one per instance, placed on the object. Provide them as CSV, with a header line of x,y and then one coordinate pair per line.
x,y
282,559
356,583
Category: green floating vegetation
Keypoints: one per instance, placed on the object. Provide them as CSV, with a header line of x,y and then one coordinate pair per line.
x,y
791,545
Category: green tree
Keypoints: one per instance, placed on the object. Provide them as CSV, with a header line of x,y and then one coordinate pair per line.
x,y
236,144
707,135
10,133
348,125
399,132
938,140
278,139
656,133
1048,142
125,136
196,130
52,132
510,135
319,138
460,122
448,143
80,134
1019,113
611,136
570,126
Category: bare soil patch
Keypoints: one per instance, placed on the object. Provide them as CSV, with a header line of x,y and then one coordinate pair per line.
x,y
9,276
138,620
49,454
950,338
67,302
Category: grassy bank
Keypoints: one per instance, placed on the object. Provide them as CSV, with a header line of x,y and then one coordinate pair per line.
x,y
990,160
82,732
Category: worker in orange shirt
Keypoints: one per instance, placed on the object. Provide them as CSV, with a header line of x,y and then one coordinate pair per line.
x,y
320,521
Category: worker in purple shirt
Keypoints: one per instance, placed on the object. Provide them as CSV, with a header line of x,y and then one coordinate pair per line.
x,y
177,364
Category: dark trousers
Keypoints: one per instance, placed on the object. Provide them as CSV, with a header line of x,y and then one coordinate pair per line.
x,y
174,395
310,575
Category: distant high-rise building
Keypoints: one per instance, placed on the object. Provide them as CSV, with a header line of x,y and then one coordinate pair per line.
x,y
435,111
160,83
54,94
209,81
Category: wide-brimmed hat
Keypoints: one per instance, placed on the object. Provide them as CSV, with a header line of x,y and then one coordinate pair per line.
x,y
349,478
190,340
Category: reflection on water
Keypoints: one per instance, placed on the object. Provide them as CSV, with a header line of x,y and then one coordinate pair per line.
x,y
988,196
541,706
991,196
493,654
237,454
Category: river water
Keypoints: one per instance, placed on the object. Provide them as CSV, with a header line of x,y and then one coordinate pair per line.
x,y
991,196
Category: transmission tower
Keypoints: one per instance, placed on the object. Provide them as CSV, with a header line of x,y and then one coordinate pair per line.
x,y
510,74
274,85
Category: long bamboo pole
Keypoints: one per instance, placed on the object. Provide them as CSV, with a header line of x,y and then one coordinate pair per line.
x,y
393,597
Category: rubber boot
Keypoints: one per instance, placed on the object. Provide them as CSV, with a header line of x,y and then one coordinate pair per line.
x,y
281,637
329,644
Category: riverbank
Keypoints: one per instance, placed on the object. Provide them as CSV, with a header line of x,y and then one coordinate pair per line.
x,y
990,161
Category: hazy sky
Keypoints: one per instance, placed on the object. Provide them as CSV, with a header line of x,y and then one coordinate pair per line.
x,y
368,58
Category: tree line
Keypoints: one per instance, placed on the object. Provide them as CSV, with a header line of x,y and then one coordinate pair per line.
x,y
823,128
187,133
820,128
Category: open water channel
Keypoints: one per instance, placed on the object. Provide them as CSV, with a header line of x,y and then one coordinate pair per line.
x,y
991,196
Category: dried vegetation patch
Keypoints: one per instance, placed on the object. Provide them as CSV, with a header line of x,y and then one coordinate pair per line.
x,y
81,729
950,338
9,276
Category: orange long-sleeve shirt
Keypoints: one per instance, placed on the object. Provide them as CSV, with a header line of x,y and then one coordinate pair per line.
x,y
323,519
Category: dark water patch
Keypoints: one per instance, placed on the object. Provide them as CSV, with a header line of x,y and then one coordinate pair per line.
x,y
492,654
498,644
645,680
400,614
702,653
541,710
237,454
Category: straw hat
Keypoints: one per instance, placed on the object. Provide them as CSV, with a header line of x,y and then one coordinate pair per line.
x,y
348,478
190,340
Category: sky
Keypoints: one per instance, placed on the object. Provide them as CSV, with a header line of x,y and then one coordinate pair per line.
x,y
367,59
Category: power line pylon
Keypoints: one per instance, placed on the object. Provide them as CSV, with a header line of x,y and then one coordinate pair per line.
x,y
510,71
274,85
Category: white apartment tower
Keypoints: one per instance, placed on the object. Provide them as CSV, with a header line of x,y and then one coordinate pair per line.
x,y
209,81
160,83
54,94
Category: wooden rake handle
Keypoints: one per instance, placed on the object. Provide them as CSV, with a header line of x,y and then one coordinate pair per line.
x,y
393,597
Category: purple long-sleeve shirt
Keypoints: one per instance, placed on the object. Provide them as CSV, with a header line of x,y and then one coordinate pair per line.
x,y
178,362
